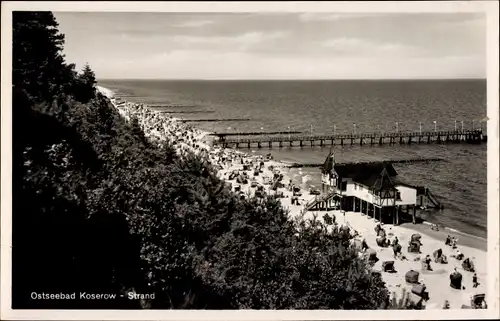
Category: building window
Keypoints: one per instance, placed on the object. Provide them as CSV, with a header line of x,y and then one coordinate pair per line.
x,y
355,186
398,196
344,186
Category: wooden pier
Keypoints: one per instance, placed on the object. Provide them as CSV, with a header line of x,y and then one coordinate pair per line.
x,y
453,136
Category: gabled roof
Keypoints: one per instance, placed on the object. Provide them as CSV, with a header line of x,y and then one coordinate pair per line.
x,y
383,182
328,164
368,173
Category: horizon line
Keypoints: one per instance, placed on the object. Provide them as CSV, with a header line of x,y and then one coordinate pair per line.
x,y
298,79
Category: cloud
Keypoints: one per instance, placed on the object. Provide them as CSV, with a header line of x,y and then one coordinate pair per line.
x,y
306,17
194,23
361,47
243,41
211,64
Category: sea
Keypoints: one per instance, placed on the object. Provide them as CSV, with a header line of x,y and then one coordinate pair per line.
x,y
343,106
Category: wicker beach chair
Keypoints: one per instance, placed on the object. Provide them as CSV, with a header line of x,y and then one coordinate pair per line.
x,y
420,290
416,238
456,280
478,301
414,247
412,277
388,266
439,257
467,265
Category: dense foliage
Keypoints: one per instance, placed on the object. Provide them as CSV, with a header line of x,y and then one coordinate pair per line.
x,y
98,208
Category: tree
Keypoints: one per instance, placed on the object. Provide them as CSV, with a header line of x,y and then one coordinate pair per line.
x,y
38,63
85,85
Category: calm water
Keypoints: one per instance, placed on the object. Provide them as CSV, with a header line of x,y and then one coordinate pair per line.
x,y
459,183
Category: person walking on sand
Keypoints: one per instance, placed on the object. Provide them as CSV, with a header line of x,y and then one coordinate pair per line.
x,y
474,281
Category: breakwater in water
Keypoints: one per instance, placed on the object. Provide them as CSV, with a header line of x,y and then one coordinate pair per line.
x,y
394,161
214,120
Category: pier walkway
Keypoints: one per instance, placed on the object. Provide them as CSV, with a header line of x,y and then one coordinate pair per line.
x,y
455,136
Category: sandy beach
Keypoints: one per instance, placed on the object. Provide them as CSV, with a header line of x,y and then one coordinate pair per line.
x,y
248,174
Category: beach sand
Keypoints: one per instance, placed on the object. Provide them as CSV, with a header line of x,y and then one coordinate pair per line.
x,y
229,161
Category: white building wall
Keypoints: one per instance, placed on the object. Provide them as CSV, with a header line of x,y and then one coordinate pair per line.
x,y
408,195
359,191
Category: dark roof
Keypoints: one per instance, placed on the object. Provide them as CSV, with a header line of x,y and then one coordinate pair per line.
x,y
368,174
383,182
328,164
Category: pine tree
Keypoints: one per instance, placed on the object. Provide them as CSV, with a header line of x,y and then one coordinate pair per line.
x,y
85,87
38,63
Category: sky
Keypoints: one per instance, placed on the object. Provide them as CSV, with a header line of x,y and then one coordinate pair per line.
x,y
276,45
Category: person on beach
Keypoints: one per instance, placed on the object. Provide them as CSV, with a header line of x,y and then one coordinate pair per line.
x,y
474,281
458,255
448,240
427,263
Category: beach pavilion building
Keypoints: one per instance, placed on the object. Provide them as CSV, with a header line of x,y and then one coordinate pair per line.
x,y
372,189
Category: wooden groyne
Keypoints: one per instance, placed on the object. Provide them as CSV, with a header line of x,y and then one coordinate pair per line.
x,y
170,106
454,136
253,133
393,161
187,112
214,120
